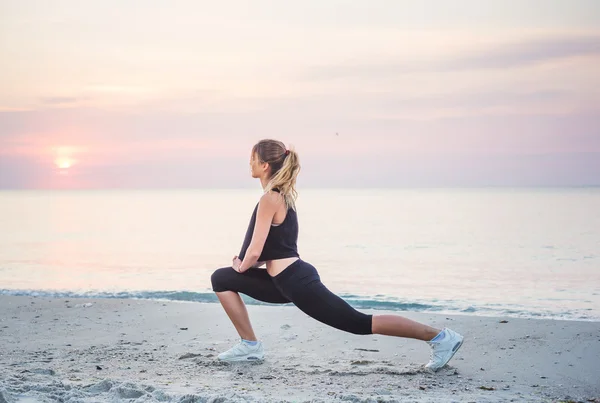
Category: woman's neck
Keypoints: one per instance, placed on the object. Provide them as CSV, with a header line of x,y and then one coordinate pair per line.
x,y
264,182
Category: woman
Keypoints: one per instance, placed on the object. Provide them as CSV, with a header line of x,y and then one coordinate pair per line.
x,y
271,239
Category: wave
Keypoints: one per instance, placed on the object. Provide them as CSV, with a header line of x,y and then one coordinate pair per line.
x,y
378,302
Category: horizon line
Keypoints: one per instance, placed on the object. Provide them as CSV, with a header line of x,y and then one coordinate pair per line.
x,y
587,186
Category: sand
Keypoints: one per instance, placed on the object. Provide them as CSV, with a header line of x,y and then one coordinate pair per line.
x,y
106,350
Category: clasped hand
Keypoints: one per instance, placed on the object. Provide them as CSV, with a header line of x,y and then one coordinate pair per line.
x,y
236,263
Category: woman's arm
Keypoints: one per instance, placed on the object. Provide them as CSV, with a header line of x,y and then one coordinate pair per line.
x,y
267,207
236,262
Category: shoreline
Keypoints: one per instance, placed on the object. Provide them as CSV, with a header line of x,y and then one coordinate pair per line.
x,y
92,349
374,303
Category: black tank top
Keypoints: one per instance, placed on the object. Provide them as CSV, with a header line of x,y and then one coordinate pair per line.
x,y
281,241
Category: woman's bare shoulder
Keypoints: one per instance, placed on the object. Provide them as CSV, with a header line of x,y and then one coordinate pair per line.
x,y
271,197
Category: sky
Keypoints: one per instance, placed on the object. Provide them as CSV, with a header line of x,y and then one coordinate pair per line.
x,y
379,93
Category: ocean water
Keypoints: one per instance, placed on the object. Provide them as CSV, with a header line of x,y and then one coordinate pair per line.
x,y
495,252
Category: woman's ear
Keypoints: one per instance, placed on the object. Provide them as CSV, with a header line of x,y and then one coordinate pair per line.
x,y
265,166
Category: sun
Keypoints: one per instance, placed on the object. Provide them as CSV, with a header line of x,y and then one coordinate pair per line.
x,y
65,157
63,163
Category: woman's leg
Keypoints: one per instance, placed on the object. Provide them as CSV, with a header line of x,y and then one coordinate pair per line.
x,y
238,314
256,283
302,285
396,325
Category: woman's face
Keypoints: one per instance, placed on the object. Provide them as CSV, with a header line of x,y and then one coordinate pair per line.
x,y
255,165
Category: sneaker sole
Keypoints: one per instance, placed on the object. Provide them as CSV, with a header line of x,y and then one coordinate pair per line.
x,y
456,347
251,358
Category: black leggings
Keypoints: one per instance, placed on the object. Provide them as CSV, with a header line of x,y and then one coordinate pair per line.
x,y
298,283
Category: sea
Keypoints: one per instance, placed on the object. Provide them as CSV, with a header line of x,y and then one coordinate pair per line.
x,y
500,252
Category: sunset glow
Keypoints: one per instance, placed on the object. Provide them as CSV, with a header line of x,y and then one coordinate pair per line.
x,y
384,94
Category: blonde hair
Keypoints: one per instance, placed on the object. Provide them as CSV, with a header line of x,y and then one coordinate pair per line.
x,y
285,166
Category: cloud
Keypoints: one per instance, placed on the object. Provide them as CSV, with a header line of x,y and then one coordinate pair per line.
x,y
61,100
123,89
170,150
466,169
510,55
470,103
522,54
13,109
349,106
454,170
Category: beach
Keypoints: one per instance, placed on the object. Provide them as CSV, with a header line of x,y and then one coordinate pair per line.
x,y
101,350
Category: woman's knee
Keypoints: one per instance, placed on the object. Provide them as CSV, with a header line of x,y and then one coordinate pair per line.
x,y
363,324
355,322
352,321
221,279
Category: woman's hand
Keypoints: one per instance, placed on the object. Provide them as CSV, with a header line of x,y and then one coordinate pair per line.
x,y
236,264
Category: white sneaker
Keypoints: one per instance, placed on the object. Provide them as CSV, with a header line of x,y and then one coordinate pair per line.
x,y
243,352
443,350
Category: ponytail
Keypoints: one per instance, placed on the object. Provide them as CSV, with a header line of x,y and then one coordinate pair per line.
x,y
284,179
